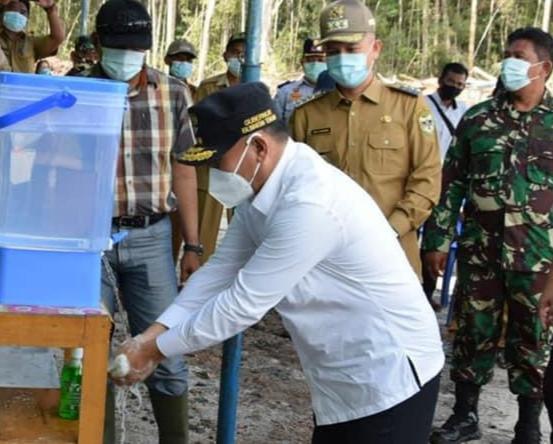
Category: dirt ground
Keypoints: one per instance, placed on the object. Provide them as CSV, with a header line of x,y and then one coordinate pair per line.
x,y
274,399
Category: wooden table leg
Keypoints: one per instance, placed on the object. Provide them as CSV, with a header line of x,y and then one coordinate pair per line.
x,y
93,395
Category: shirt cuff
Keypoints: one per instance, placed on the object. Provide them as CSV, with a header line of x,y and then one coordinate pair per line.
x,y
400,223
170,343
173,316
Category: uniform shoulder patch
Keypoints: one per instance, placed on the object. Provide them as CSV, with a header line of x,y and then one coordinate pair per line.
x,y
311,98
406,89
284,83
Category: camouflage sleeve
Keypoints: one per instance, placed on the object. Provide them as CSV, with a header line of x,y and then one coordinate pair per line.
x,y
440,228
422,188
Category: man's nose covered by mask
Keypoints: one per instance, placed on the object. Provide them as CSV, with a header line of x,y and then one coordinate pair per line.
x,y
231,189
14,21
239,111
514,73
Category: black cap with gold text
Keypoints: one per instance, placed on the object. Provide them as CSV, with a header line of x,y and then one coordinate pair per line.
x,y
223,118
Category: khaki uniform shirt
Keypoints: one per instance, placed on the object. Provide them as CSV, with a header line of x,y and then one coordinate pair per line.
x,y
212,85
386,142
23,52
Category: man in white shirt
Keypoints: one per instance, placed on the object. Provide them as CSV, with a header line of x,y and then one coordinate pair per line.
x,y
306,240
446,109
447,112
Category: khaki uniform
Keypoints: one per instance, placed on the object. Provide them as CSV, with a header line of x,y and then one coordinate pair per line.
x,y
387,143
23,52
210,211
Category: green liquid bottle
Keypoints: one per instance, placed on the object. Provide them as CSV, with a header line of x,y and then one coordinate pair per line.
x,y
71,376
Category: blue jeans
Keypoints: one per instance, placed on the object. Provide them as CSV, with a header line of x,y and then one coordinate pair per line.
x,y
145,271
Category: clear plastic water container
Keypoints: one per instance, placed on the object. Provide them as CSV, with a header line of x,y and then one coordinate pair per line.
x,y
59,143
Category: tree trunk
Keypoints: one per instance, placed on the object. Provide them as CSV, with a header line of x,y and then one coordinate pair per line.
x,y
546,15
171,19
204,40
425,6
489,39
445,24
472,31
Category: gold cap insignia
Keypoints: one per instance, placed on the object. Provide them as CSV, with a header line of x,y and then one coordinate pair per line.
x,y
197,155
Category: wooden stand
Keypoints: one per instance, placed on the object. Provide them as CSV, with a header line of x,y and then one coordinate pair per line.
x,y
29,416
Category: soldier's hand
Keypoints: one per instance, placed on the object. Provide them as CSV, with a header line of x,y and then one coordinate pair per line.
x,y
435,262
546,304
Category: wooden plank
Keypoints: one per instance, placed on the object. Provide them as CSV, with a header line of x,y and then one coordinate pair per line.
x,y
41,330
95,366
30,416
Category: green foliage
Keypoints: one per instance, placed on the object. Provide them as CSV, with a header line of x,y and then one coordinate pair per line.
x,y
401,26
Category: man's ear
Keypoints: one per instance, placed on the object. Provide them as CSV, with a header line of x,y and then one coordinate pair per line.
x,y
548,68
261,145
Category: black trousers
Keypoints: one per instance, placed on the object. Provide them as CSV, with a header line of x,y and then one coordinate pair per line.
x,y
548,392
407,423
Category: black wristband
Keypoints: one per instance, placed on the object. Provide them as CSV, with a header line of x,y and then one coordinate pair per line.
x,y
198,249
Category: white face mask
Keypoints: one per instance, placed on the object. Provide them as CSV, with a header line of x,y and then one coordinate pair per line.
x,y
231,189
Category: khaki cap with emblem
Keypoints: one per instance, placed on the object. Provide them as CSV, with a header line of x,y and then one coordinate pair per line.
x,y
346,21
181,47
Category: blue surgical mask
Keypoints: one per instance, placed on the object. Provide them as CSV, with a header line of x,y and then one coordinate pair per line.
x,y
122,64
312,70
14,21
234,66
349,70
514,73
181,70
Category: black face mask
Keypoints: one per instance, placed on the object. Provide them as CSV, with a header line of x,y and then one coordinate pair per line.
x,y
448,92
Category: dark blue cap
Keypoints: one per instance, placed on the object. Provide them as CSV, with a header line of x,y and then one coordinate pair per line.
x,y
223,118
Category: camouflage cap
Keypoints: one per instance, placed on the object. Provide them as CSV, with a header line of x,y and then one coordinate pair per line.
x,y
346,21
181,47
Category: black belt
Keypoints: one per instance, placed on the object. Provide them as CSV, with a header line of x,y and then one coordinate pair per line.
x,y
137,221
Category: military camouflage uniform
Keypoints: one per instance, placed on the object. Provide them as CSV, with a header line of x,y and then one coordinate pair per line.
x,y
501,162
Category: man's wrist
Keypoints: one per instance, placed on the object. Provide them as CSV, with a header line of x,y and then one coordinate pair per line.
x,y
51,9
197,249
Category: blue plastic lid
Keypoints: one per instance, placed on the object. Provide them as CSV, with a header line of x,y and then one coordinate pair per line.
x,y
56,82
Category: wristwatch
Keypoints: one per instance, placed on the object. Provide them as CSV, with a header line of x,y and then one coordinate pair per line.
x,y
198,249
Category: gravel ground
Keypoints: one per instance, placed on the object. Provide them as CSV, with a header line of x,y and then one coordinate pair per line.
x,y
274,399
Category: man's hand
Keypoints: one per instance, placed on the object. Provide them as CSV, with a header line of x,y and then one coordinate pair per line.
x,y
46,4
142,354
546,303
189,263
435,262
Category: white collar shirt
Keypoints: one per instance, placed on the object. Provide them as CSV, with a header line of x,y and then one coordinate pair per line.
x,y
314,245
454,113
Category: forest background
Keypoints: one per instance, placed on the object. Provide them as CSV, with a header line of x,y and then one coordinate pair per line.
x,y
419,35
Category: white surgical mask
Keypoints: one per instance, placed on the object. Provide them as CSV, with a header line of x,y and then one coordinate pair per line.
x,y
122,64
231,189
514,73
234,66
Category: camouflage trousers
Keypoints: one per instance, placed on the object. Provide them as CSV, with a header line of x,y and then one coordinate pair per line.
x,y
481,294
